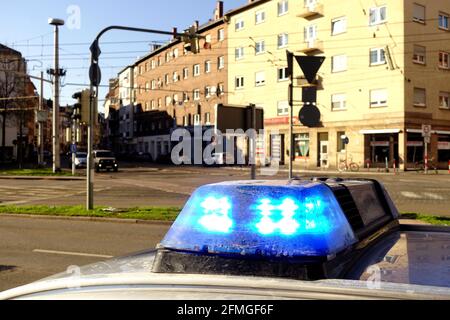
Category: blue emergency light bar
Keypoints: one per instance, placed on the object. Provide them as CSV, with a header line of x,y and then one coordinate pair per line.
x,y
262,219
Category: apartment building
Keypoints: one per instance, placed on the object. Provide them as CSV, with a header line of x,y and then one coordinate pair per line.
x,y
172,80
386,74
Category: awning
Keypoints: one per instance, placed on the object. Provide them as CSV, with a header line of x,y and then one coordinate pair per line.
x,y
432,131
381,131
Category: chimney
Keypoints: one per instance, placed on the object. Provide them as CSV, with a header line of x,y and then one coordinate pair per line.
x,y
175,31
218,12
197,25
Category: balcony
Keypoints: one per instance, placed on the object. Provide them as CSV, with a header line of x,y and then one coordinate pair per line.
x,y
311,46
311,11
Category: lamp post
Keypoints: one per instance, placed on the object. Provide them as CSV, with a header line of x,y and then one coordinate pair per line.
x,y
56,84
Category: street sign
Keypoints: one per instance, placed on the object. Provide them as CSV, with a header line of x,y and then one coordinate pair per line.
x,y
310,116
310,66
237,117
95,75
73,148
426,131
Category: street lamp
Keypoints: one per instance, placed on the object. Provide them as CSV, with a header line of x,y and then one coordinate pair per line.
x,y
56,152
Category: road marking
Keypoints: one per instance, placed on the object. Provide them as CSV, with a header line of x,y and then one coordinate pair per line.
x,y
411,195
433,196
80,254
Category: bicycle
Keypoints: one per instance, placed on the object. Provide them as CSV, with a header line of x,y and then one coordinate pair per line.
x,y
344,165
420,166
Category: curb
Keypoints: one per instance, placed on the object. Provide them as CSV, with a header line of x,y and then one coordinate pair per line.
x,y
86,219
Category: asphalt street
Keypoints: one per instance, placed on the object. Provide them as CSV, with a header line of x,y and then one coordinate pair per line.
x,y
171,186
31,249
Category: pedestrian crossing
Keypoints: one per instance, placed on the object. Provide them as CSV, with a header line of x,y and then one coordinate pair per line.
x,y
423,196
10,194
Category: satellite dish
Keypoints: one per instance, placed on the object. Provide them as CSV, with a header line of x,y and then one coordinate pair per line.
x,y
310,116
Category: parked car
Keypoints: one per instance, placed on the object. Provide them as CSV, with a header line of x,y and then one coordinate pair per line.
x,y
81,160
105,160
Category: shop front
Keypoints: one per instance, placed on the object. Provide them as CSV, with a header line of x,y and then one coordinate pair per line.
x,y
382,147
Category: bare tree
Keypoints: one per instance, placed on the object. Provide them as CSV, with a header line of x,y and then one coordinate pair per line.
x,y
12,86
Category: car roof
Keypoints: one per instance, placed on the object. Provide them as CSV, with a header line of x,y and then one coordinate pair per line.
x,y
131,278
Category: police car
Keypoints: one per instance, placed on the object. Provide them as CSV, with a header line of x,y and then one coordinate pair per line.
x,y
257,240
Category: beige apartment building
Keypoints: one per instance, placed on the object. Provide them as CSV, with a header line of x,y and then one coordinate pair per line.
x,y
386,73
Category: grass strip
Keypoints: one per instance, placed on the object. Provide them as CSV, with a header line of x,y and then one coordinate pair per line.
x,y
147,213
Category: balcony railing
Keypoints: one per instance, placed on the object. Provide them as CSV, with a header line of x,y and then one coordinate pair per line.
x,y
311,46
311,11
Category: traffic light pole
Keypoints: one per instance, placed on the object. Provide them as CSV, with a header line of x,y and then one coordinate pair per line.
x,y
94,84
291,125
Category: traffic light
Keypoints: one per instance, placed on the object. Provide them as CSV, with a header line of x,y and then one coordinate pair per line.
x,y
82,107
191,40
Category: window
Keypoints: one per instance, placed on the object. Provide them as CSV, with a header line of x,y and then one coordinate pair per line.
x,y
207,92
378,98
153,84
239,82
338,102
168,54
239,24
378,15
168,100
197,94
444,60
221,62
196,70
208,38
175,77
260,17
153,64
185,97
186,121
302,145
444,100
159,103
175,53
208,66
283,74
185,73
147,86
221,34
420,97
283,7
239,53
377,56
197,120
221,89
419,13
260,78
419,55
146,67
310,33
443,21
260,47
147,106
338,26
339,63
283,108
207,118
340,142
153,104
283,40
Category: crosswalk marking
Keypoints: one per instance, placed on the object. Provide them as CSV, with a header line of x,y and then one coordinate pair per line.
x,y
422,195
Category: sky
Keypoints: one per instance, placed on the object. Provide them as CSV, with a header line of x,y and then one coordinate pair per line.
x,y
24,27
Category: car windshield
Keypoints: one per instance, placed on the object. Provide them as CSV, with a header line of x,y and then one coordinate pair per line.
x,y
104,154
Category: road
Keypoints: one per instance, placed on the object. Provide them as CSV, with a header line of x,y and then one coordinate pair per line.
x,y
32,249
171,186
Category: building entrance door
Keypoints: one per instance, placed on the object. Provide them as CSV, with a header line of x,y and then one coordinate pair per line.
x,y
324,163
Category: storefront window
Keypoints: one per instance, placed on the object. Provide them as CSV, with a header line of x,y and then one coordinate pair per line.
x,y
340,142
444,148
416,148
383,147
302,145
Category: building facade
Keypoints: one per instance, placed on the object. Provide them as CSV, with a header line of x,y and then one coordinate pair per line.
x,y
386,74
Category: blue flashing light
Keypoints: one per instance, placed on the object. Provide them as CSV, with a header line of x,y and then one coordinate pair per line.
x,y
262,219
